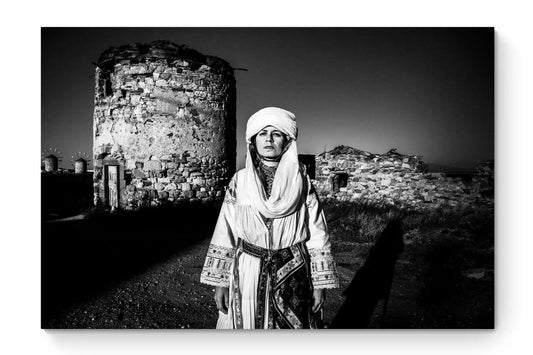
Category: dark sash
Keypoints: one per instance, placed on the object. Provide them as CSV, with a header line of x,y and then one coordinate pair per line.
x,y
285,273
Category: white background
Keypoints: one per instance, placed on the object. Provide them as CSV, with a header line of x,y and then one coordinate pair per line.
x,y
20,192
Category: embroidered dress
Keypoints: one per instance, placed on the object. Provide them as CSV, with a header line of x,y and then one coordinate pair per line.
x,y
270,246
227,265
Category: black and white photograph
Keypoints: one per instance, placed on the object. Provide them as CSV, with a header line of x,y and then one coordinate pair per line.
x,y
267,178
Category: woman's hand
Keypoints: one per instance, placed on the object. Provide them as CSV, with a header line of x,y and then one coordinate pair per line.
x,y
222,299
319,296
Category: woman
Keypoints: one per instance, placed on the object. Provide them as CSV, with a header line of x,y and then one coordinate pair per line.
x,y
270,256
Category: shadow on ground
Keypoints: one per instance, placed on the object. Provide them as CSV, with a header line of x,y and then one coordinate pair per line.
x,y
83,258
372,282
443,279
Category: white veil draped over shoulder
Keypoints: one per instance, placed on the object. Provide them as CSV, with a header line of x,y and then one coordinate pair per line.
x,y
287,187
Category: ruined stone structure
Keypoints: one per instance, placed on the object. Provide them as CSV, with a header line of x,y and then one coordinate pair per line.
x,y
164,125
349,174
80,166
51,163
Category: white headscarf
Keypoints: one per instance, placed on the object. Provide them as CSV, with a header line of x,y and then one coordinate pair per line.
x,y
287,187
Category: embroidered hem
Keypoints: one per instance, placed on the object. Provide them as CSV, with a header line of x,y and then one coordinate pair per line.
x,y
323,269
231,195
216,270
229,199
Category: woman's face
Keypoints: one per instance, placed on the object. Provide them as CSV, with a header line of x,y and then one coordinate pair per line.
x,y
270,142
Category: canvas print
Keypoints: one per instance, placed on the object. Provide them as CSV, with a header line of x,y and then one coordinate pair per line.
x,y
267,178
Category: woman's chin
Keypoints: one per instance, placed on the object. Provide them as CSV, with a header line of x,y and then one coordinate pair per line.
x,y
269,155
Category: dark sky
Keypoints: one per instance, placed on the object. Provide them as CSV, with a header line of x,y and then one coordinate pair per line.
x,y
428,92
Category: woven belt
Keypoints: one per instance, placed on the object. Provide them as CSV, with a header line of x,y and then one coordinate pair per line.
x,y
258,251
270,262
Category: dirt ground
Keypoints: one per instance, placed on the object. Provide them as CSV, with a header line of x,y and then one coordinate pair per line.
x,y
143,272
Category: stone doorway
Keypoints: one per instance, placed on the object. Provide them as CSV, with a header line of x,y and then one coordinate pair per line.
x,y
112,188
338,180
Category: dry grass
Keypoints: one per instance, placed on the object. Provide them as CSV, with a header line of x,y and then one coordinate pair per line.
x,y
351,222
362,223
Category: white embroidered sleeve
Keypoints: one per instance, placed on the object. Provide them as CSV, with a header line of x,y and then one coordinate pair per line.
x,y
219,259
217,266
323,267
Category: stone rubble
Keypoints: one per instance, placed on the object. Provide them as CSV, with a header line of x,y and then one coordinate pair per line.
x,y
394,179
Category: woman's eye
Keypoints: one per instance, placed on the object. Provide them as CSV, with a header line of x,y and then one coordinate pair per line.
x,y
262,133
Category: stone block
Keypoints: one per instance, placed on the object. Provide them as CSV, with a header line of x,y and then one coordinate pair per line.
x,y
198,181
152,193
152,165
138,174
135,99
188,193
170,187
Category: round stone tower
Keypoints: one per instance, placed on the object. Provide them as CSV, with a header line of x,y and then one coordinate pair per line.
x,y
80,166
164,125
51,163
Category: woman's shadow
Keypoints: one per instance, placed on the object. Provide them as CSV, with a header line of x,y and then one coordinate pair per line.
x,y
373,281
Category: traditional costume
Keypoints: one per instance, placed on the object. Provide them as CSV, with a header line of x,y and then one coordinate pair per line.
x,y
270,245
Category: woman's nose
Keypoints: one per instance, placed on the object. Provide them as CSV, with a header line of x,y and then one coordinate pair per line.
x,y
269,138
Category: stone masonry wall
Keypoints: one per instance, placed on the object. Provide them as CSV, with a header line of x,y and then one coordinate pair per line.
x,y
399,180
166,114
